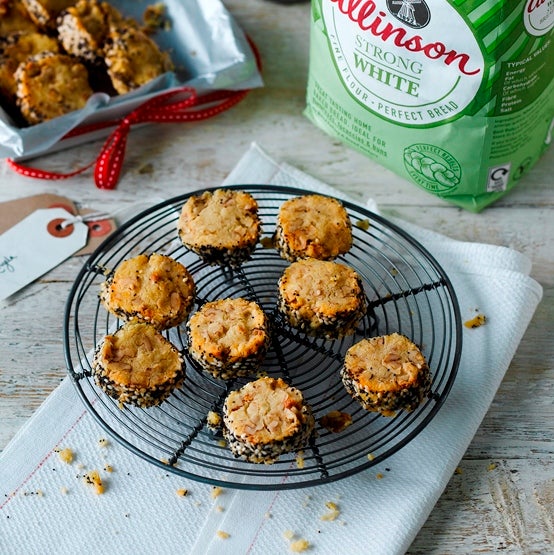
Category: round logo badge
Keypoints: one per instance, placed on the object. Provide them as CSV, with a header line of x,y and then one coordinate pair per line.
x,y
538,17
414,13
432,167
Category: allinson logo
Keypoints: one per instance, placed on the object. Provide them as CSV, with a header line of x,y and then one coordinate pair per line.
x,y
413,13
402,64
538,17
432,167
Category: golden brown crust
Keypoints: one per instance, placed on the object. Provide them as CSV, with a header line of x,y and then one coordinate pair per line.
x,y
321,296
17,48
14,18
154,288
44,12
386,373
133,58
386,363
264,411
117,54
227,331
313,226
138,365
50,85
84,27
220,225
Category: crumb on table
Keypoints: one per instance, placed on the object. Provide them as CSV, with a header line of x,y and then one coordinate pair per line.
x,y
216,491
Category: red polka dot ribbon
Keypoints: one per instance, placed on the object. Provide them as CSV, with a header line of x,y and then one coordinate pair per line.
x,y
169,107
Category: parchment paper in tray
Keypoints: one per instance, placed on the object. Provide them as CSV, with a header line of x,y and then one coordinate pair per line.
x,y
209,50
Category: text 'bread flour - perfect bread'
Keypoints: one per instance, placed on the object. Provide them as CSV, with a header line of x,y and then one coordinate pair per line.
x,y
456,97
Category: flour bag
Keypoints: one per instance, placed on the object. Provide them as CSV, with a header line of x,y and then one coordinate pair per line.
x,y
456,96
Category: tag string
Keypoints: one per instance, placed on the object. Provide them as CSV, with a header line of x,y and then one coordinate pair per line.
x,y
168,107
85,218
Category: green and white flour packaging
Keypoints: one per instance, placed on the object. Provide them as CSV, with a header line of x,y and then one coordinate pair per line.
x,y
457,96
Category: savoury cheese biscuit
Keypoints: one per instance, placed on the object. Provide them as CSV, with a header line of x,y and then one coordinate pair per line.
x,y
152,288
17,48
137,365
133,58
386,374
229,337
50,85
221,226
265,419
321,297
14,18
312,226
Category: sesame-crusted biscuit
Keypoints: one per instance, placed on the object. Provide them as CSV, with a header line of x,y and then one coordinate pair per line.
x,y
45,12
84,27
51,85
153,288
265,419
321,297
229,337
16,48
137,365
133,58
221,226
386,374
312,226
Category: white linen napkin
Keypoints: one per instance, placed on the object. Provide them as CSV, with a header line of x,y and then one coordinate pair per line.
x,y
45,506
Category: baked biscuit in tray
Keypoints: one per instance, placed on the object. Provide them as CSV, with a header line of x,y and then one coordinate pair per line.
x,y
45,12
50,85
14,18
83,28
133,59
16,48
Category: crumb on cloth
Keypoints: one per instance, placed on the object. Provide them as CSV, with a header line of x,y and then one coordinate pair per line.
x,y
476,321
66,455
221,534
94,480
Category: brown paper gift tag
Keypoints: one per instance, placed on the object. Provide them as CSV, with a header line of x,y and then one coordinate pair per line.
x,y
13,211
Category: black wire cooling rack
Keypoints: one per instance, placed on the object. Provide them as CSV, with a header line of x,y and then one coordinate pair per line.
x,y
407,292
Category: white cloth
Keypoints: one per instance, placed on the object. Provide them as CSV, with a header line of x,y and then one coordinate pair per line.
x,y
141,511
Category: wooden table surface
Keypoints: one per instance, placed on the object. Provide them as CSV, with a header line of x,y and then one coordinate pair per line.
x,y
503,496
